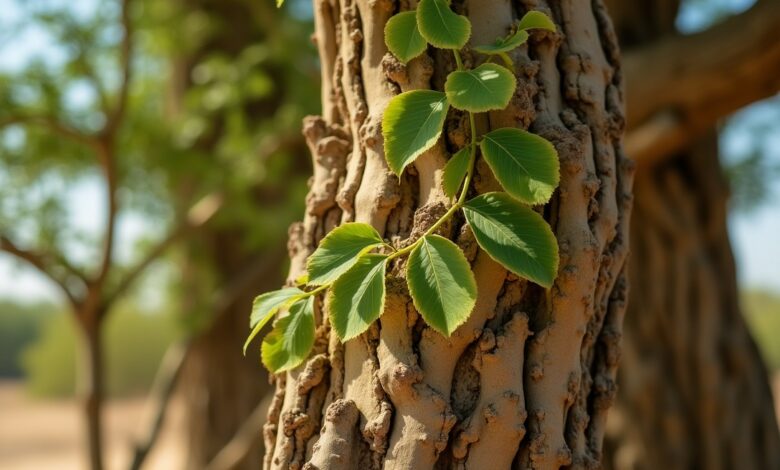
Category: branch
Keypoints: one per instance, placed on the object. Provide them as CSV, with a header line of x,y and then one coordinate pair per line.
x,y
53,125
243,441
160,397
658,138
42,264
175,360
680,86
69,267
126,63
203,211
105,155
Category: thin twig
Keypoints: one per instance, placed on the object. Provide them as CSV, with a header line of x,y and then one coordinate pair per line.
x,y
200,213
160,397
53,125
116,117
41,263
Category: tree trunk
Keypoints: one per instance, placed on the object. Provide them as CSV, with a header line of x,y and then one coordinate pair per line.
x,y
694,390
222,388
92,388
401,396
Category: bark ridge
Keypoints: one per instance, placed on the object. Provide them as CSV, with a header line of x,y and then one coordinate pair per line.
x,y
527,380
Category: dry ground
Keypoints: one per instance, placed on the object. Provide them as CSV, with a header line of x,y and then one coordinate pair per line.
x,y
43,435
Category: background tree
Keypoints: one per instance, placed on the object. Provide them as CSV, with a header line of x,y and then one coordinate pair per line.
x,y
224,134
80,138
689,358
236,82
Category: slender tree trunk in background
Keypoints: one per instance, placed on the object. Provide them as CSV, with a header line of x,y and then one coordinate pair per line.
x,y
694,391
527,381
92,390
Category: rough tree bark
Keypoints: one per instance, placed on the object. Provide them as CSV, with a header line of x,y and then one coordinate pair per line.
x,y
526,382
693,388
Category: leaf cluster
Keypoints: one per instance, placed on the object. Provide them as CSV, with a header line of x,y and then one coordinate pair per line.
x,y
351,261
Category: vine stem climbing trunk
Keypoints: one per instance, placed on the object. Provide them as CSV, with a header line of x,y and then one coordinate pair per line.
x,y
527,380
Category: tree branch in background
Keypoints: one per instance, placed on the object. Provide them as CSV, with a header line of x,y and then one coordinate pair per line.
x,y
243,441
126,57
42,262
167,377
680,86
107,150
53,125
203,211
159,399
106,158
61,260
171,370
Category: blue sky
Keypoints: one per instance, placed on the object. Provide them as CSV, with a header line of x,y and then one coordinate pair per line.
x,y
754,234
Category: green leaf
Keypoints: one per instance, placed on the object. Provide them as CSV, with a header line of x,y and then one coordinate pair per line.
x,y
279,3
505,44
441,283
340,250
455,170
357,298
525,164
441,26
266,305
515,236
411,125
531,20
288,344
536,20
484,88
403,38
